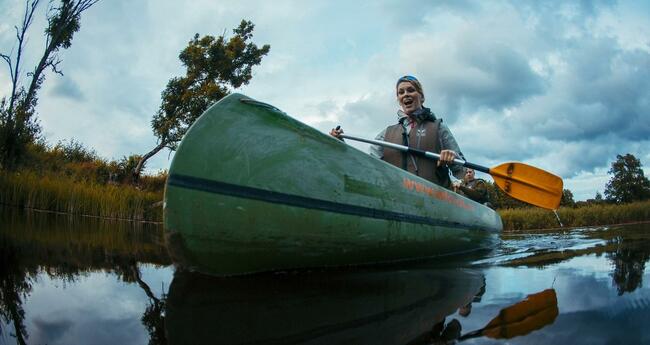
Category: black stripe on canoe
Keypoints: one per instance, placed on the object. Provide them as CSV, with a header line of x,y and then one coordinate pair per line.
x,y
245,192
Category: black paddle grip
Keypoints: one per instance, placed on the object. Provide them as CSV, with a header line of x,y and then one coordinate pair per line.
x,y
477,167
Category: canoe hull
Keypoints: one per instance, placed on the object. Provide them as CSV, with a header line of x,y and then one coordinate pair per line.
x,y
250,189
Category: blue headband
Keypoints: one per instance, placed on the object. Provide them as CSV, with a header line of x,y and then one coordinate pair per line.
x,y
406,78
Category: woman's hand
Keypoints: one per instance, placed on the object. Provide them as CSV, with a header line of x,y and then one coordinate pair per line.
x,y
446,157
456,186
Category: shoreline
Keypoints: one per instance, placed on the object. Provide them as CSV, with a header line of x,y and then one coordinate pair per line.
x,y
39,210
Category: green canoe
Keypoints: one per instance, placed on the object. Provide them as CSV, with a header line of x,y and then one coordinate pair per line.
x,y
251,189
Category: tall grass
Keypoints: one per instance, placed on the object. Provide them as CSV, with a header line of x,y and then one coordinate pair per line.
x,y
597,214
62,194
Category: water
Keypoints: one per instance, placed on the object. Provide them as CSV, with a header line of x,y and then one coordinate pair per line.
x,y
66,280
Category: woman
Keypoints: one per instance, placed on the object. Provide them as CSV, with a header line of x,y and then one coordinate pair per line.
x,y
418,127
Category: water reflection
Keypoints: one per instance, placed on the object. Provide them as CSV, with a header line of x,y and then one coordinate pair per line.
x,y
378,307
68,249
73,280
628,249
533,313
629,257
15,283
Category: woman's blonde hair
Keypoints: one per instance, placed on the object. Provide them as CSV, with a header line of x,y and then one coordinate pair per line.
x,y
414,81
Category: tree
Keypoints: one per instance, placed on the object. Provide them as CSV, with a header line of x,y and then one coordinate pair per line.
x,y
628,183
599,197
567,198
500,200
212,65
18,125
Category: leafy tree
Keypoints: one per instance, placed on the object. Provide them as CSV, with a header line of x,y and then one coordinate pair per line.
x,y
74,151
501,200
18,125
213,65
628,183
492,195
567,198
598,197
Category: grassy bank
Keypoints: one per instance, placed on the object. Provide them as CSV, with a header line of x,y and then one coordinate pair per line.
x,y
62,194
85,187
599,214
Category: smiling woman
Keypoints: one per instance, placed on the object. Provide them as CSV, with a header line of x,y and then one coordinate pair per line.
x,y
417,127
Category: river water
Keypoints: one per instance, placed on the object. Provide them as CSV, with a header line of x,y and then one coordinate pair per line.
x,y
73,280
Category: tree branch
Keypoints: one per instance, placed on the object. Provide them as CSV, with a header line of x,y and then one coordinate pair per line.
x,y
30,8
58,34
7,58
138,168
54,65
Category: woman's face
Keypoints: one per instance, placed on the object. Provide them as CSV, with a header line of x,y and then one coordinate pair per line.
x,y
408,97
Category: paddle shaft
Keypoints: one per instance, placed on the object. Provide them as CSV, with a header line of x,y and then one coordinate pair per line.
x,y
417,152
520,181
436,156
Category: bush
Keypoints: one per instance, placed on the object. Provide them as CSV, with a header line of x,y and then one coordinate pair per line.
x,y
75,152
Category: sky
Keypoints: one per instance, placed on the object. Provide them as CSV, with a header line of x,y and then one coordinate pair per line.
x,y
561,85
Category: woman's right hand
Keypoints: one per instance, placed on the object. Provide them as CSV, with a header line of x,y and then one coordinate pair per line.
x,y
336,132
446,157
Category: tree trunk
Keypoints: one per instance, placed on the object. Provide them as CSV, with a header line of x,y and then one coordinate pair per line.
x,y
140,166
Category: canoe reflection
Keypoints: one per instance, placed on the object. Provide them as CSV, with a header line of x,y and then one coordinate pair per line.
x,y
395,307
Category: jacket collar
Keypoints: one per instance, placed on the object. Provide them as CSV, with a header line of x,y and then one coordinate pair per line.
x,y
424,114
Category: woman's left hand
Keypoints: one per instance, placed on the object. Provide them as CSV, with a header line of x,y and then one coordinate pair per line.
x,y
446,157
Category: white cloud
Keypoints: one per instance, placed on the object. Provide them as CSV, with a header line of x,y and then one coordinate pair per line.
x,y
585,185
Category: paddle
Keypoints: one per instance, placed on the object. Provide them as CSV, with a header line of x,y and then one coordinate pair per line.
x,y
521,181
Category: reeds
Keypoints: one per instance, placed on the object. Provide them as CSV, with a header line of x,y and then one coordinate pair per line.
x,y
61,194
591,215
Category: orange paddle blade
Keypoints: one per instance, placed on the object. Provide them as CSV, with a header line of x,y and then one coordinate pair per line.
x,y
529,184
533,313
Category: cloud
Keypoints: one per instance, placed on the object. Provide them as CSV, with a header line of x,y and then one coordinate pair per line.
x,y
585,185
465,67
51,330
606,90
539,85
412,14
66,88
